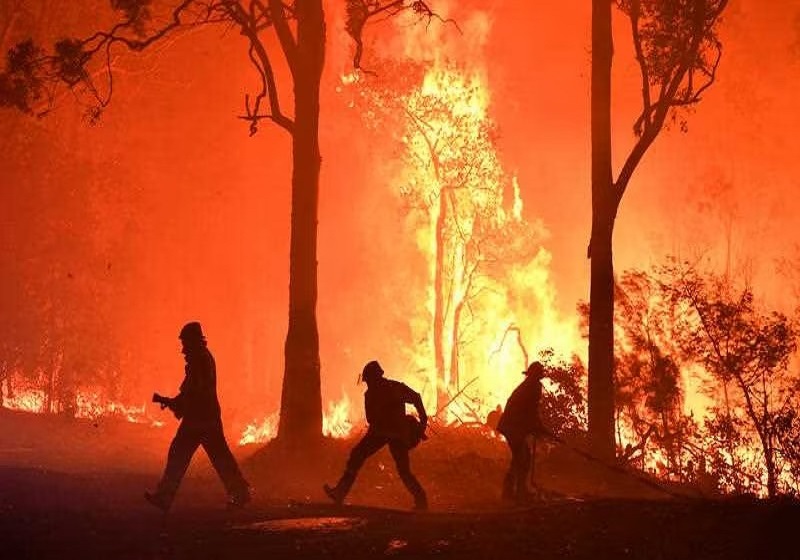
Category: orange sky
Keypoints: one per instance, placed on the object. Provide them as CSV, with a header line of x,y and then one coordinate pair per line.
x,y
202,210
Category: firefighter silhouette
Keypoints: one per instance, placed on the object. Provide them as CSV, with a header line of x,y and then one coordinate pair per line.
x,y
519,420
384,402
197,407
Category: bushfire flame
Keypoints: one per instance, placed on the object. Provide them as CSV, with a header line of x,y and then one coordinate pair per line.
x,y
90,404
336,423
489,271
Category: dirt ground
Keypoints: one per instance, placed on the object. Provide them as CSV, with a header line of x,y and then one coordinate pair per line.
x,y
74,490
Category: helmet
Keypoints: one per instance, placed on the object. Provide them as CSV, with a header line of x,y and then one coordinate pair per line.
x,y
371,371
191,332
536,370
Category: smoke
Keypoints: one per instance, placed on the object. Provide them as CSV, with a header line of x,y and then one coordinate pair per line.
x,y
193,216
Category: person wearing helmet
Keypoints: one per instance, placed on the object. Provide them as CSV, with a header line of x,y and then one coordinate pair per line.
x,y
520,419
201,424
385,405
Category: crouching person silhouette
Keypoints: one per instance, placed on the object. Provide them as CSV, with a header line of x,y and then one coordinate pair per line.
x,y
201,424
384,402
520,420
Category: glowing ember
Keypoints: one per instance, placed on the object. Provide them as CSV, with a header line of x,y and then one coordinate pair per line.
x,y
316,524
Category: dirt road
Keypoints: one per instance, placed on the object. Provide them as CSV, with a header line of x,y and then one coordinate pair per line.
x,y
45,514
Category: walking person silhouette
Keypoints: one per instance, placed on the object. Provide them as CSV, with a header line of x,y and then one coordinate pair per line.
x,y
197,406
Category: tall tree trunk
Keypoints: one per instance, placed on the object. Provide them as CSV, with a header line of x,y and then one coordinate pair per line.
x,y
439,304
769,460
301,399
455,372
50,395
604,208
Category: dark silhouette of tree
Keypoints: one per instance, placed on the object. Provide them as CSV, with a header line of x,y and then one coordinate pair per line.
x,y
725,332
675,320
648,388
563,406
678,53
33,78
648,391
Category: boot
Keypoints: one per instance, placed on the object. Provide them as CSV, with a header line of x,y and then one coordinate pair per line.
x,y
334,493
160,501
240,499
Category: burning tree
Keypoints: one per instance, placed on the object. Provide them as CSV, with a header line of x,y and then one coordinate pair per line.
x,y
465,210
458,185
678,52
676,320
33,76
648,385
743,348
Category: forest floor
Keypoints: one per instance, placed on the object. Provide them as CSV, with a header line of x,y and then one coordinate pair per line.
x,y
74,490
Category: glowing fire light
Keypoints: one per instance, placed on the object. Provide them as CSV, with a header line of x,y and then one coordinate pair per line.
x,y
260,432
26,401
89,404
336,423
489,270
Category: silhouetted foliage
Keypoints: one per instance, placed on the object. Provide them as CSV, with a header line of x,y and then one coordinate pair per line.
x,y
360,12
563,406
676,322
137,13
21,86
649,395
724,331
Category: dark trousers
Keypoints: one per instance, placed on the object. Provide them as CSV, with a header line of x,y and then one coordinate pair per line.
x,y
516,481
192,434
370,444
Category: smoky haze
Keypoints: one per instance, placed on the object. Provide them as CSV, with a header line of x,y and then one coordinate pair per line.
x,y
166,211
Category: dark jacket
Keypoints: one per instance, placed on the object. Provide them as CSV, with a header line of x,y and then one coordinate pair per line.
x,y
385,405
521,415
197,400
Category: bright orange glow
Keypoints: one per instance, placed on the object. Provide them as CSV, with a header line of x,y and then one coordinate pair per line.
x,y
90,404
484,292
336,423
166,211
260,432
